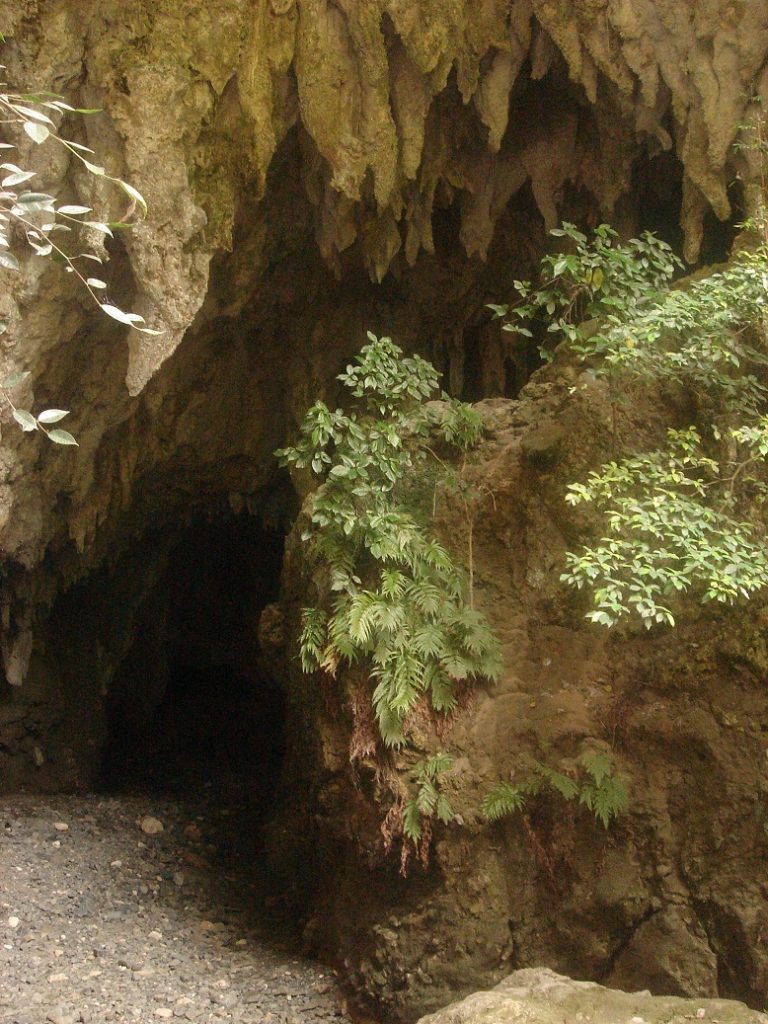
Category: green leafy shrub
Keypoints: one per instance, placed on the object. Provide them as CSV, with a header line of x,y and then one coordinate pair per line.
x,y
680,518
672,516
389,595
599,789
664,533
595,280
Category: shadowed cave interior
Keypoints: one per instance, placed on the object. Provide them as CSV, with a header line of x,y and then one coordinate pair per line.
x,y
194,702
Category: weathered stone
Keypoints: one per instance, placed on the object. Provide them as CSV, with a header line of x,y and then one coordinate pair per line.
x,y
540,996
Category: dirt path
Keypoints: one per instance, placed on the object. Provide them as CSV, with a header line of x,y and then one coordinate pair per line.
x,y
101,921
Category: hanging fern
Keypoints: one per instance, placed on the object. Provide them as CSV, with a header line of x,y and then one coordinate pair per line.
x,y
503,800
602,791
429,801
390,595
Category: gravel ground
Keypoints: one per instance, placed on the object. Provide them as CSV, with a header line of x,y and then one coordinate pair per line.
x,y
103,917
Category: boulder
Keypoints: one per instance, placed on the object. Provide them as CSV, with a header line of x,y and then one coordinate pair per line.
x,y
540,996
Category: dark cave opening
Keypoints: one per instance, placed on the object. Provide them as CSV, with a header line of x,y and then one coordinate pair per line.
x,y
196,704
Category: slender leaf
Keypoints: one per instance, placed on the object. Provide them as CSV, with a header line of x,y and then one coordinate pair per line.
x,y
25,419
37,132
62,437
52,415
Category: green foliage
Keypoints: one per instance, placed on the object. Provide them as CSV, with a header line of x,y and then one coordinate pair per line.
x,y
43,420
681,518
503,800
599,789
697,336
595,280
461,425
603,793
390,595
40,223
672,521
429,802
664,534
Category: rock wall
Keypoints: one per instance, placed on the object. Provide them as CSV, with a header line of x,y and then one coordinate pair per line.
x,y
316,168
673,896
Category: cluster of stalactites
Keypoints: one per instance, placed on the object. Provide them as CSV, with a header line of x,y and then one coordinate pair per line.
x,y
367,80
400,107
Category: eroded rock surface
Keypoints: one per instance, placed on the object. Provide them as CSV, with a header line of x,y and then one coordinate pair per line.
x,y
540,996
315,169
673,896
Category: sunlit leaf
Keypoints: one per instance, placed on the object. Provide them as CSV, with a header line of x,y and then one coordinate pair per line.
x,y
37,132
8,261
93,168
62,437
118,314
36,115
25,419
97,225
52,415
77,146
73,211
129,190
17,178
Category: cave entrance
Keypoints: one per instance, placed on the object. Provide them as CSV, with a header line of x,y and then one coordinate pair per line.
x,y
197,703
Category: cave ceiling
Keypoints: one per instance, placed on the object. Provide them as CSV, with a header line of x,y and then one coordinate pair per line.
x,y
314,168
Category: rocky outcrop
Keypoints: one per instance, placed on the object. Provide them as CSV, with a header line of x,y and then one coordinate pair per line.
x,y
543,997
672,896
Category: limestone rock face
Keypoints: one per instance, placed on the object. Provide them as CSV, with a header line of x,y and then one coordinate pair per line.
x,y
392,117
671,897
315,169
539,996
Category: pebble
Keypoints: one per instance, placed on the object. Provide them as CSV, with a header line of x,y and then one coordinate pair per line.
x,y
13,922
151,826
59,1016
61,826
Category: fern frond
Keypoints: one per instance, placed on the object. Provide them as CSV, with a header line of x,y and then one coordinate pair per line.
x,y
314,623
390,727
443,810
393,583
442,691
606,800
429,642
412,821
504,799
388,616
426,798
457,666
361,617
564,785
438,764
426,596
597,765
